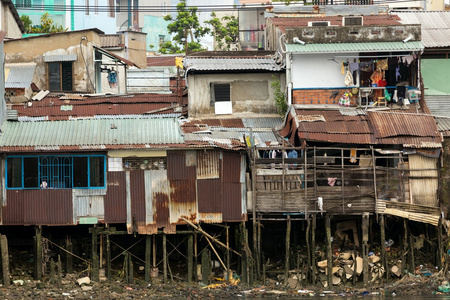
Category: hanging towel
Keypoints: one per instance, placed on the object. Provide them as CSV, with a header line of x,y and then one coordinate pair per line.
x,y
348,78
353,156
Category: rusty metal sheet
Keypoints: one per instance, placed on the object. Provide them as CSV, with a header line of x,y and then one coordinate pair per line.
x,y
208,164
337,138
209,196
231,167
232,202
38,207
176,166
401,124
115,198
137,192
335,127
183,201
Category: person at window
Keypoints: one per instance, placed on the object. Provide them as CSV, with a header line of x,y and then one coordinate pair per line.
x,y
44,184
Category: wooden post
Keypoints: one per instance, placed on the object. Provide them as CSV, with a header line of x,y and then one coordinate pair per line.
x,y
5,259
59,275
190,258
365,247
38,253
148,247
165,257
130,270
52,272
383,247
439,237
308,248
329,250
288,249
206,266
229,273
355,265
126,270
94,255
68,256
100,261
411,255
405,247
108,257
313,249
244,258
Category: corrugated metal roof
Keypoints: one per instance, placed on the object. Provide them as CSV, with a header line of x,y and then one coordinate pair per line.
x,y
110,40
92,132
438,105
231,63
443,123
20,75
355,47
435,26
61,57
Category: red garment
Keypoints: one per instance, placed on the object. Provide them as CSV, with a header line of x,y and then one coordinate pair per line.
x,y
382,82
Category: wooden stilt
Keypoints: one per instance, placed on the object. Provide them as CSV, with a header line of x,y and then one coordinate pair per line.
x,y
244,259
195,257
405,247
229,273
258,248
108,257
365,247
165,257
263,269
440,247
383,247
38,253
313,249
412,262
148,249
100,261
130,270
154,250
355,265
190,258
94,255
206,266
59,273
329,250
308,248
52,272
5,259
68,256
288,249
126,270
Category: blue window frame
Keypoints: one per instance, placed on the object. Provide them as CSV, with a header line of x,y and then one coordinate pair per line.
x,y
56,171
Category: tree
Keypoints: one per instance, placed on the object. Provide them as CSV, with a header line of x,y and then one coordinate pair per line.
x,y
225,30
186,29
46,25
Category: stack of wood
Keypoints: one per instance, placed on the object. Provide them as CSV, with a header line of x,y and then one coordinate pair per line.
x,y
347,265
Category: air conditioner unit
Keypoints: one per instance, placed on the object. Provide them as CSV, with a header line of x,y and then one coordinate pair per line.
x,y
318,23
352,21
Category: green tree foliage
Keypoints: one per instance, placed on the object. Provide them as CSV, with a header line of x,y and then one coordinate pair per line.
x,y
279,97
225,31
186,28
46,25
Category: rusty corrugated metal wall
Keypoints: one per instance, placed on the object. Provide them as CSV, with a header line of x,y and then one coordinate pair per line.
x,y
137,192
115,198
232,187
38,207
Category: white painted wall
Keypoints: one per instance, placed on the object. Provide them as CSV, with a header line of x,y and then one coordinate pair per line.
x,y
317,71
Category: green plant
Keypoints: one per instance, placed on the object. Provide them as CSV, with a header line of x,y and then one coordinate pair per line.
x,y
279,97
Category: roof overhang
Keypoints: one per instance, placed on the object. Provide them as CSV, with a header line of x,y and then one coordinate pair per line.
x,y
115,57
411,46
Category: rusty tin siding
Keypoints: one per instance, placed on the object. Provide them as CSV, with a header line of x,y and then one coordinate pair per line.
x,y
232,182
209,200
182,201
178,168
38,207
115,198
137,192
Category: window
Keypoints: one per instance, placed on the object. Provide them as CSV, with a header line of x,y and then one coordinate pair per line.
x,y
60,76
87,7
161,39
96,7
221,98
55,171
22,3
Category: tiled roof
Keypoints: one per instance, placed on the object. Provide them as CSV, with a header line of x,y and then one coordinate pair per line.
x,y
284,23
90,133
374,128
267,63
355,47
435,26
